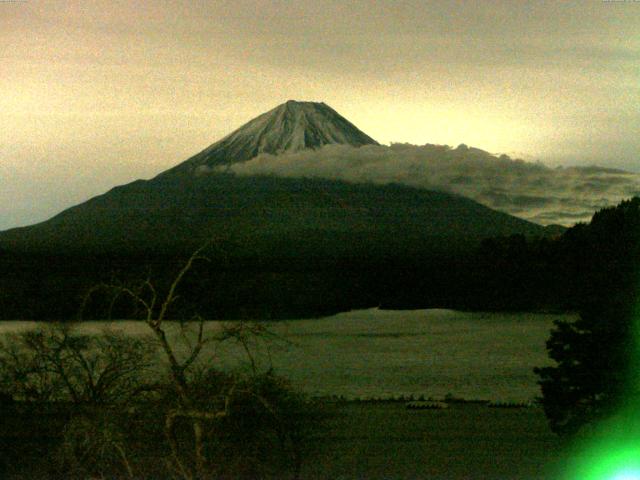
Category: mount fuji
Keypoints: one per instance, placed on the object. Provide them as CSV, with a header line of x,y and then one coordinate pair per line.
x,y
282,247
289,127
271,216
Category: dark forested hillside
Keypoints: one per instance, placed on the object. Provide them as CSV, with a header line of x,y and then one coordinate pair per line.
x,y
279,247
587,264
309,272
270,217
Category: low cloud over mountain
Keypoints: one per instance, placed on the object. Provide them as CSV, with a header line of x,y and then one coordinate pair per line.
x,y
563,195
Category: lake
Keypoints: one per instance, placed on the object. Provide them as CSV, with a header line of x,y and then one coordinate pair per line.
x,y
386,353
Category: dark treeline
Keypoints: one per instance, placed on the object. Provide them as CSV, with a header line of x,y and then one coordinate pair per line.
x,y
586,262
594,376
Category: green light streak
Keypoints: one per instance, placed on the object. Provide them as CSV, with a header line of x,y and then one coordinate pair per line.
x,y
611,451
610,462
628,475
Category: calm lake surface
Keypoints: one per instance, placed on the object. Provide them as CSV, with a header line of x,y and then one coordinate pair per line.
x,y
383,353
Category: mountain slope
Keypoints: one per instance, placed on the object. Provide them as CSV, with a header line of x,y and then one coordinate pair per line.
x,y
184,206
269,216
289,127
284,247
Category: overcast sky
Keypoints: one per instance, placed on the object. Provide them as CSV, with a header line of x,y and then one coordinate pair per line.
x,y
98,93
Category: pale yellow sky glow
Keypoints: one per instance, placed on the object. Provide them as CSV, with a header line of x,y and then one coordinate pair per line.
x,y
98,93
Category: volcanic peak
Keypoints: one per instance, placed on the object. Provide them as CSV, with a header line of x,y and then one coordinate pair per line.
x,y
289,127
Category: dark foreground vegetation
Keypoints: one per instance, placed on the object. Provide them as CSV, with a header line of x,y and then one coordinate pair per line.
x,y
130,406
55,440
350,440
106,405
595,375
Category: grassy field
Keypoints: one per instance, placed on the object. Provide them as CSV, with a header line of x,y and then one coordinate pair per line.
x,y
371,440
385,440
385,353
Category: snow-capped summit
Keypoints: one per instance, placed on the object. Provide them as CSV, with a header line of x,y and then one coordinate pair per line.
x,y
289,127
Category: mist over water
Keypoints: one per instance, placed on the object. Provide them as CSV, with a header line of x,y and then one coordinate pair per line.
x,y
383,353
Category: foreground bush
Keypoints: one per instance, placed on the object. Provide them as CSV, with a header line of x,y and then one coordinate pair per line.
x,y
55,362
267,433
182,419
